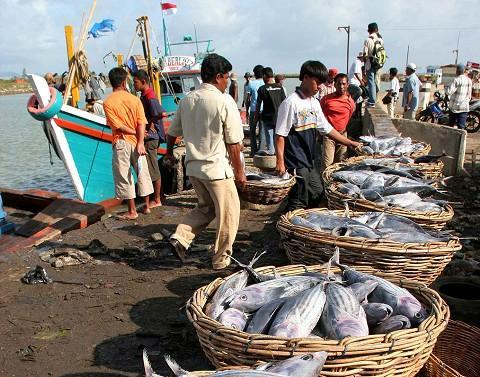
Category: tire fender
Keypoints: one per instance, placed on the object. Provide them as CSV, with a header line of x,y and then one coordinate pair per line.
x,y
48,112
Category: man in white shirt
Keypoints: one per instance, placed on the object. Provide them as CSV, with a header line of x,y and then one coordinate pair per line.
x,y
393,92
460,93
355,75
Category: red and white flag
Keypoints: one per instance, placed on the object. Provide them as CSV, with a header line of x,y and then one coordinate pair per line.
x,y
169,8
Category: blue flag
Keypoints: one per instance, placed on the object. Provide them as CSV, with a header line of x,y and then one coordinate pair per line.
x,y
101,28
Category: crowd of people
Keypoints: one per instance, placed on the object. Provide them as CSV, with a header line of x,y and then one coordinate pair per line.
x,y
299,128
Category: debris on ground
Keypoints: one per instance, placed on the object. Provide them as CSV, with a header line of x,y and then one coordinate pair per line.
x,y
61,257
36,276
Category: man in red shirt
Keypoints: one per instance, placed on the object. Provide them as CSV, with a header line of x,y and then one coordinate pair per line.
x,y
338,108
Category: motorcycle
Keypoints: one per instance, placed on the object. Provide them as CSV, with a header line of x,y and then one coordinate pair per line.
x,y
436,111
472,123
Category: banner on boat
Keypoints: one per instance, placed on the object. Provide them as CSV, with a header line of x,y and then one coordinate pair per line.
x,y
177,63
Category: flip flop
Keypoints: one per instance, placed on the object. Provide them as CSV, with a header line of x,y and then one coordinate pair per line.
x,y
155,205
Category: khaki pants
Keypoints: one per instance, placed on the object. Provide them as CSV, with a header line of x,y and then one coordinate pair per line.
x,y
125,156
410,114
216,200
332,152
391,109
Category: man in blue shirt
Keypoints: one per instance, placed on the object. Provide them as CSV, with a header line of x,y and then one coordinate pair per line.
x,y
252,95
411,92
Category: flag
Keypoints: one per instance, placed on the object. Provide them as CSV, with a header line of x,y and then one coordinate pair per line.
x,y
169,8
101,28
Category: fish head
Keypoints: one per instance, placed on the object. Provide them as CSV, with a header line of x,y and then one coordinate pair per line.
x,y
411,308
309,364
233,318
253,297
350,326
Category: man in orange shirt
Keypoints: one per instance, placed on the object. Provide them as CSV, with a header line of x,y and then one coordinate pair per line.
x,y
338,108
126,118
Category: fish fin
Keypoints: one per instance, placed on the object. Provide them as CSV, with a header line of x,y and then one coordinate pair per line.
x,y
256,258
147,366
240,264
173,365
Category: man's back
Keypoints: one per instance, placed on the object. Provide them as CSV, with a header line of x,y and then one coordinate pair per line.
x,y
252,89
460,92
207,119
412,84
123,108
271,96
369,48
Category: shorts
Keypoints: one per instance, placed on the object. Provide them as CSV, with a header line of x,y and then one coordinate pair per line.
x,y
151,146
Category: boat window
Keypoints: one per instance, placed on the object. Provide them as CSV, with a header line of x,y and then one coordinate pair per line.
x,y
188,84
168,84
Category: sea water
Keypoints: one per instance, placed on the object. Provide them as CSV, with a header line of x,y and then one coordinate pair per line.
x,y
24,155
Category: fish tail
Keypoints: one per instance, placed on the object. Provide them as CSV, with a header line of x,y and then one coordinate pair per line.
x,y
256,258
173,365
147,366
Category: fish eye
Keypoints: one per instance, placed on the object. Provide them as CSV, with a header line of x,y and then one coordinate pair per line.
x,y
307,357
418,315
243,297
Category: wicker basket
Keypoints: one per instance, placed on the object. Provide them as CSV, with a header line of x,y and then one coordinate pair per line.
x,y
432,170
400,353
428,220
421,152
456,352
258,192
420,262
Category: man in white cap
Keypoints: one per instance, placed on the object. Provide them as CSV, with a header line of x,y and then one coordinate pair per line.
x,y
411,92
355,75
460,93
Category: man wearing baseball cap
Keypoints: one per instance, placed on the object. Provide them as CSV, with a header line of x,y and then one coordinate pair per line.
x,y
411,92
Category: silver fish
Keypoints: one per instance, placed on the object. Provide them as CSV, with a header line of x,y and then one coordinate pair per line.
x,y
298,315
233,318
254,275
255,296
349,189
309,365
342,316
263,317
354,177
394,323
377,312
357,230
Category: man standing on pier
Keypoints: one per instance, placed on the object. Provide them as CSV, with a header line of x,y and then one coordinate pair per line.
x,y
460,93
209,121
371,47
299,119
411,92
126,118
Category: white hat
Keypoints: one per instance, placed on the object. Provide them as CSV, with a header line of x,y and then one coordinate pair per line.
x,y
412,66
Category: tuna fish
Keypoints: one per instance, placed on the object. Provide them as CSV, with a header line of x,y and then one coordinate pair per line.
x,y
254,275
298,315
233,318
363,289
255,296
343,316
377,312
309,365
394,323
263,317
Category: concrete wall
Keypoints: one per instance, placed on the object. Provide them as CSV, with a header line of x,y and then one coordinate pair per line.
x,y
442,138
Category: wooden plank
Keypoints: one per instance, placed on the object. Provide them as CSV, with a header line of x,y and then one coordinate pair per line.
x,y
64,215
30,200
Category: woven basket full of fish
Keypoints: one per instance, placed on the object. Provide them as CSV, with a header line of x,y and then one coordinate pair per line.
x,y
435,220
428,170
454,354
399,353
265,189
421,258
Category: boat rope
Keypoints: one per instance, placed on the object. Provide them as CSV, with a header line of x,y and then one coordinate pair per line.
x,y
93,159
135,35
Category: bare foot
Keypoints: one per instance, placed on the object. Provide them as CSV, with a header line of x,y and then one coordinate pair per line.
x,y
146,210
154,204
127,216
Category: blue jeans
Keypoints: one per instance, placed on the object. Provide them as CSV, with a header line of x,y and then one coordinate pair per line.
x,y
269,133
457,118
254,147
371,86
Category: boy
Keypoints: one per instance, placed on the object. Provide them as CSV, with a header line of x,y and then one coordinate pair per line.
x,y
155,135
393,92
299,119
126,118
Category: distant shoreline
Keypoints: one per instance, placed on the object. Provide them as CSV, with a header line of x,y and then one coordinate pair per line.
x,y
12,92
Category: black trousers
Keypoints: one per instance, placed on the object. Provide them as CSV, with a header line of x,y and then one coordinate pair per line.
x,y
307,191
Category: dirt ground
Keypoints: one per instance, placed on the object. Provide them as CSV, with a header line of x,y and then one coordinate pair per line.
x,y
96,318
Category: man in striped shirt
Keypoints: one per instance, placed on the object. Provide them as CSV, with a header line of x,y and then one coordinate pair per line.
x,y
460,93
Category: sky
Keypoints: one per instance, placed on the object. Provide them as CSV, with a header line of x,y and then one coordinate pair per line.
x,y
277,33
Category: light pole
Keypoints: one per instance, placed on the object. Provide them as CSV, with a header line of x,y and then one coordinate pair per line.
x,y
347,30
456,51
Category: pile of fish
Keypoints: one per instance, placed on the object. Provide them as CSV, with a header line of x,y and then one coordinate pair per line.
x,y
314,304
371,225
388,186
309,365
389,145
268,179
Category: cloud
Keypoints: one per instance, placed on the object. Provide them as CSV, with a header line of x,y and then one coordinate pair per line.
x,y
281,34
